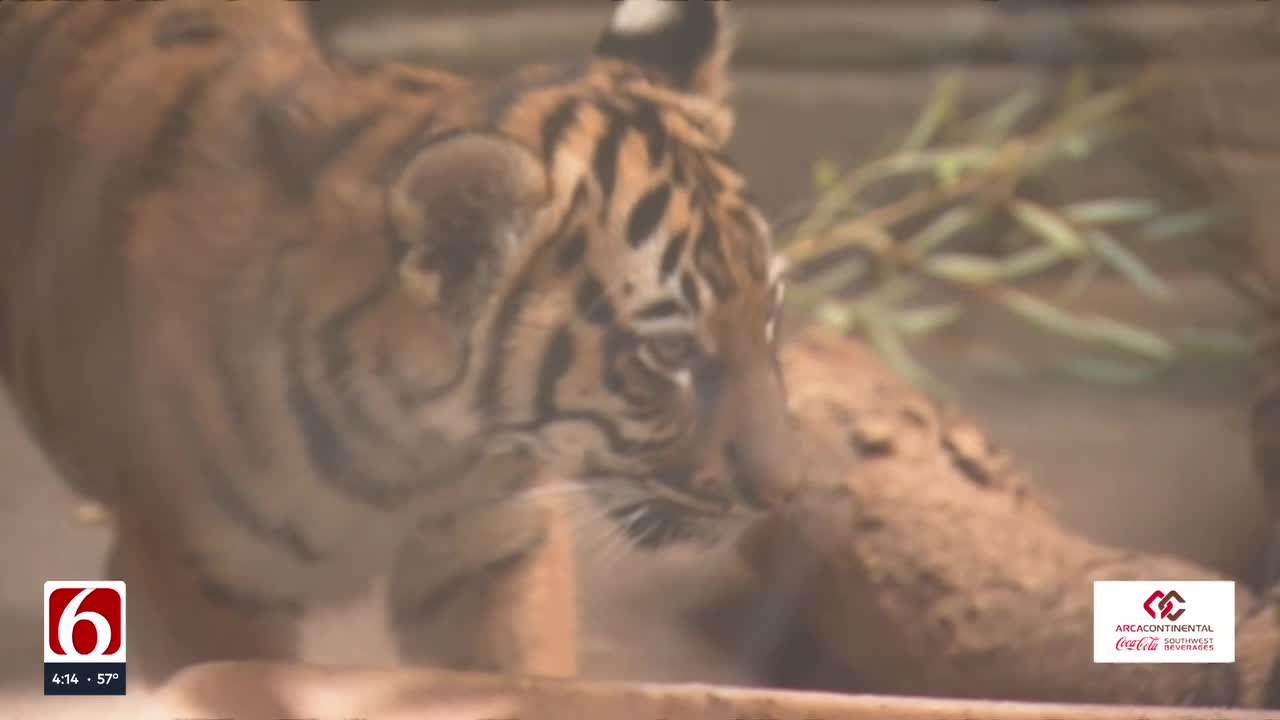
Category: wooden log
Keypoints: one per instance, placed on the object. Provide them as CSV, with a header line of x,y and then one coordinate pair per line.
x,y
950,578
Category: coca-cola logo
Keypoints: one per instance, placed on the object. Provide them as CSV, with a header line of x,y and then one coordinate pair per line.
x,y
1165,602
1148,643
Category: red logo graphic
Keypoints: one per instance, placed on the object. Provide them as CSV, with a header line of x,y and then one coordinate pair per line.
x,y
1148,643
1165,603
85,621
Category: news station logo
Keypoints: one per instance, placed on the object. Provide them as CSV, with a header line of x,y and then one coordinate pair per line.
x,y
84,637
1164,621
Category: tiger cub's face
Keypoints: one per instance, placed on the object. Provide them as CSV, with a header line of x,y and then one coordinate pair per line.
x,y
625,296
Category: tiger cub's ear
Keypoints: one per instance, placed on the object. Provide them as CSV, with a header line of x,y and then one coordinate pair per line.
x,y
460,208
688,42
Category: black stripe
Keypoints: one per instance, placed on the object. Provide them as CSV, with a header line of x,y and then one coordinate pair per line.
x,y
647,121
604,161
556,126
164,152
226,496
489,398
592,303
689,289
660,309
322,441
679,167
671,255
617,345
557,359
710,261
647,215
502,97
335,350
328,450
574,250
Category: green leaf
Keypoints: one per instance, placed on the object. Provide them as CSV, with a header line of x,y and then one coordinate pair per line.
x,y
825,175
1111,211
1109,372
962,268
941,106
916,322
995,125
1097,330
1029,262
943,228
1215,342
1129,266
1176,225
837,316
1133,339
1042,314
1048,226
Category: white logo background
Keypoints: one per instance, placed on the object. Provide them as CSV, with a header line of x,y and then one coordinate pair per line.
x,y
1157,640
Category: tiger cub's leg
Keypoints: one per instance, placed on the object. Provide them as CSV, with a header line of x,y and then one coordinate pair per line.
x,y
489,590
176,618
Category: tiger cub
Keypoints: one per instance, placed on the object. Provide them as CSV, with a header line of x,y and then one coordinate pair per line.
x,y
300,321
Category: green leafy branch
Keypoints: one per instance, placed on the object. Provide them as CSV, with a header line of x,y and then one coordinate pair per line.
x,y
864,267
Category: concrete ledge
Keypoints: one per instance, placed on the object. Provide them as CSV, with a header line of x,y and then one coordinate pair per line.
x,y
254,690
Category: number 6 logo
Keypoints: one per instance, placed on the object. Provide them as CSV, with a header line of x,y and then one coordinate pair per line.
x,y
73,614
84,620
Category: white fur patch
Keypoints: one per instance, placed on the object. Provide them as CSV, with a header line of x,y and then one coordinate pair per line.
x,y
639,17
777,268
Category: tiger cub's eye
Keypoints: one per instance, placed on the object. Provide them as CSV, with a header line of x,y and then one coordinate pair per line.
x,y
669,352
